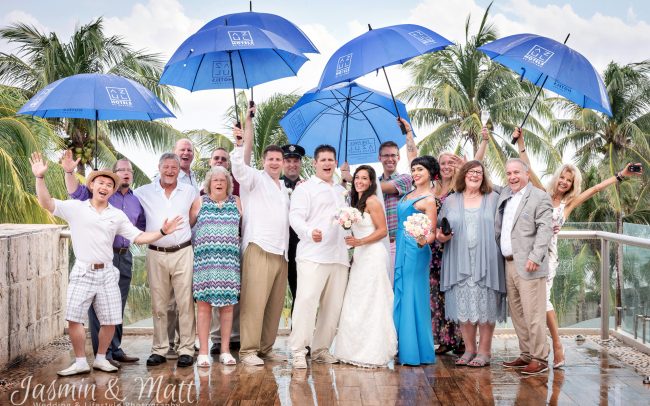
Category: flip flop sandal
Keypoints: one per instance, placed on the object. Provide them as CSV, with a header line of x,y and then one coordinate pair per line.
x,y
227,359
465,359
203,361
480,361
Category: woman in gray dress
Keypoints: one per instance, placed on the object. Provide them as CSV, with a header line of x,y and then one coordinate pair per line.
x,y
473,277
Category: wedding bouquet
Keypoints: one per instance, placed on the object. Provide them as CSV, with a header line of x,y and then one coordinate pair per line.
x,y
346,216
418,225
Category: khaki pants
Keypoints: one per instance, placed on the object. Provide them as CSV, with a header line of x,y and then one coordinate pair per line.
x,y
263,287
527,305
321,288
167,273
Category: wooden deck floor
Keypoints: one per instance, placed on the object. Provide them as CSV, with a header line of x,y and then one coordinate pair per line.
x,y
591,377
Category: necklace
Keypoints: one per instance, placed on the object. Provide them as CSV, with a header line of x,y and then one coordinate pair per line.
x,y
220,203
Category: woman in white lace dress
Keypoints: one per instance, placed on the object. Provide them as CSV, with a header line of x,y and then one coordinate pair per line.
x,y
366,334
565,191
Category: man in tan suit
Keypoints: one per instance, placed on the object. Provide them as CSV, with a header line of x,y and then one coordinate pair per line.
x,y
523,231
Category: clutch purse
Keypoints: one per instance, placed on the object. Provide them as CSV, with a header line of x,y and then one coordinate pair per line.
x,y
445,226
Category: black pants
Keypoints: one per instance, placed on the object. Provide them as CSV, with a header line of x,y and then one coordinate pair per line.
x,y
124,263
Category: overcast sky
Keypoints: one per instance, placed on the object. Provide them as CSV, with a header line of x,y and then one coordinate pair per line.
x,y
602,30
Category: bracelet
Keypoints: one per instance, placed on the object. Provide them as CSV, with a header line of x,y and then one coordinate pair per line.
x,y
523,150
162,232
40,177
620,177
69,173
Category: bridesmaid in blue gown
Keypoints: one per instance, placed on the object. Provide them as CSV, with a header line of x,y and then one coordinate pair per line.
x,y
411,311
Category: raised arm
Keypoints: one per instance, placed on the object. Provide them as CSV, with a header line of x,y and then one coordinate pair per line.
x,y
589,193
482,149
241,170
411,148
69,165
39,168
249,130
523,155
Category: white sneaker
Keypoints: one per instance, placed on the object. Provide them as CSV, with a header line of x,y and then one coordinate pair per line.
x,y
324,357
299,361
252,359
104,365
73,370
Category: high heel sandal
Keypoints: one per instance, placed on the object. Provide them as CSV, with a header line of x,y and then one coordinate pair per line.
x,y
203,361
481,360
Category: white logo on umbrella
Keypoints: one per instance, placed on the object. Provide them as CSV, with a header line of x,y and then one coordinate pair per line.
x,y
241,38
39,97
422,37
343,65
119,96
538,55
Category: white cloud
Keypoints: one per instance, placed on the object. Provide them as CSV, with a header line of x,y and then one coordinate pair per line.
x,y
19,16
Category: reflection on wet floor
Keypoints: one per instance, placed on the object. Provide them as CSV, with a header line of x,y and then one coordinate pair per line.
x,y
591,377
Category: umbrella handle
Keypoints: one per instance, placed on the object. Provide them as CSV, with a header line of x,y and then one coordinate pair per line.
x,y
251,104
402,127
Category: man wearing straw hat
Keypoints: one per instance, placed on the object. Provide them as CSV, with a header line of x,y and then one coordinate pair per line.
x,y
94,280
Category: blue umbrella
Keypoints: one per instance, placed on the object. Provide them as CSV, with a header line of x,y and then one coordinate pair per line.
x,y
539,59
233,56
269,22
95,97
351,117
377,49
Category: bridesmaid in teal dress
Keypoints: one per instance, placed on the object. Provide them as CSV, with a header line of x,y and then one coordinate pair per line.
x,y
411,311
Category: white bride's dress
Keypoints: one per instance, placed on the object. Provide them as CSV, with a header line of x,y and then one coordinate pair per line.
x,y
366,334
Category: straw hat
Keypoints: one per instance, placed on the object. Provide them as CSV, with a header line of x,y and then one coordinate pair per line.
x,y
103,172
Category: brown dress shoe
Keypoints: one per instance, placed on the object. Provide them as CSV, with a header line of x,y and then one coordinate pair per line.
x,y
125,358
518,363
534,368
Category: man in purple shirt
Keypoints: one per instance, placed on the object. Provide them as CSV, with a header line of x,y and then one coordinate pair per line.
x,y
125,200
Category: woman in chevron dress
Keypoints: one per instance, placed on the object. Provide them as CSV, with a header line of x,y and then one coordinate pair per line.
x,y
216,279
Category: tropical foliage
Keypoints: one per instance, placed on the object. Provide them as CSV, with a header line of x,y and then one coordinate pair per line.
x,y
42,58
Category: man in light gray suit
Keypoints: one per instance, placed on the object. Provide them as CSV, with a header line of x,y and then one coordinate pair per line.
x,y
524,230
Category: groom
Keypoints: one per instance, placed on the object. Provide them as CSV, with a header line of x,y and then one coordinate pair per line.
x,y
322,261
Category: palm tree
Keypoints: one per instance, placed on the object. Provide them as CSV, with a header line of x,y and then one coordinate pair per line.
x,y
19,137
454,87
43,58
611,142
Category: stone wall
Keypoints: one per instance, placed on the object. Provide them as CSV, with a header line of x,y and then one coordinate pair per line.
x,y
33,285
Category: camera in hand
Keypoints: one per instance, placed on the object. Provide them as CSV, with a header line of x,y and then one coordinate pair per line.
x,y
635,168
445,227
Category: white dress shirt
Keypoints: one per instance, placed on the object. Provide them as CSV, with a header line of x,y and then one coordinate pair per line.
x,y
265,206
93,232
509,220
313,206
158,207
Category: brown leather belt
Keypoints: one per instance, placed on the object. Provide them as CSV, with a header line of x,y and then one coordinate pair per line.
x,y
95,267
509,258
121,251
173,248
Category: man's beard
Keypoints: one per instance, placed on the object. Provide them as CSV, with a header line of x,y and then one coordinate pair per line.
x,y
125,185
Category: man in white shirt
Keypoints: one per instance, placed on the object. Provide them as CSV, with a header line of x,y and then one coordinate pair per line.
x,y
94,223
265,242
170,262
523,227
322,261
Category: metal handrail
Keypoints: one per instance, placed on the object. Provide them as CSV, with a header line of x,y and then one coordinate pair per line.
x,y
605,239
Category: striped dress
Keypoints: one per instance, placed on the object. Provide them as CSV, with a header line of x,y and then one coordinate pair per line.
x,y
217,277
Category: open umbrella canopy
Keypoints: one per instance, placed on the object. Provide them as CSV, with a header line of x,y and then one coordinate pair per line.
x,y
379,48
269,22
354,119
552,65
96,97
211,58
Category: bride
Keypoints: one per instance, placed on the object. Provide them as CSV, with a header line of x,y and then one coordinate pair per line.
x,y
366,334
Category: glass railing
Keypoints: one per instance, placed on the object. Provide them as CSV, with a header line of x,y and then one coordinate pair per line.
x,y
576,292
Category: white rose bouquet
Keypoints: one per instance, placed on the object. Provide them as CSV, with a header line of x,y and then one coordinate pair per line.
x,y
418,225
